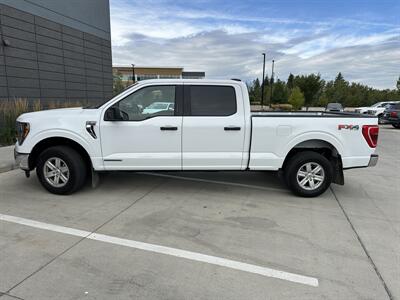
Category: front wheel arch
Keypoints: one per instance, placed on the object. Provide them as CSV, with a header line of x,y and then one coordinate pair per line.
x,y
58,141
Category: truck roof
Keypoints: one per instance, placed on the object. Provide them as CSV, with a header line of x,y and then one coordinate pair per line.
x,y
202,81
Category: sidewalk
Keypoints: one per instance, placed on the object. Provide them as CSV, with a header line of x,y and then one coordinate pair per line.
x,y
6,158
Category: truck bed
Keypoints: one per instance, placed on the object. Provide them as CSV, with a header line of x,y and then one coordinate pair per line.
x,y
304,114
274,134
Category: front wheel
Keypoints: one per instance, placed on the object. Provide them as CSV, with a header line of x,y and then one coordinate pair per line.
x,y
61,170
308,174
380,119
396,125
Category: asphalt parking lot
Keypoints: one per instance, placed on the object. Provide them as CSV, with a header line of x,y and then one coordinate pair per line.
x,y
217,235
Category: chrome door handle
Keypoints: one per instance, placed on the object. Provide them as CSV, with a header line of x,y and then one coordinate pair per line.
x,y
168,128
232,128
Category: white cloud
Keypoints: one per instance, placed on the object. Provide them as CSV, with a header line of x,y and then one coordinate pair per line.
x,y
227,46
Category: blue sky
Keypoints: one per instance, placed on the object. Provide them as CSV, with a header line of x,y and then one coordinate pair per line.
x,y
360,38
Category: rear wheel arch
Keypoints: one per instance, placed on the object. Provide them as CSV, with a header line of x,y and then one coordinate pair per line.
x,y
323,147
308,174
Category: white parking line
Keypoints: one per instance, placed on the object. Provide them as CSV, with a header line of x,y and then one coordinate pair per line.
x,y
250,186
214,260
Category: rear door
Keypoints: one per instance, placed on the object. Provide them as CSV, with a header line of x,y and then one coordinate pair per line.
x,y
213,127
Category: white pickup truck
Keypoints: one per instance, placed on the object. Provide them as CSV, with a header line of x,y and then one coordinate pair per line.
x,y
209,127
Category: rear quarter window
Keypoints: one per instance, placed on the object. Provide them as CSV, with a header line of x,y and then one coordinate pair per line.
x,y
208,100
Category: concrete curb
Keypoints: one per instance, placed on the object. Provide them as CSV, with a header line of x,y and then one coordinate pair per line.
x,y
7,162
7,168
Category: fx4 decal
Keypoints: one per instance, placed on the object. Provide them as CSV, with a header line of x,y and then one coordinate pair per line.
x,y
349,127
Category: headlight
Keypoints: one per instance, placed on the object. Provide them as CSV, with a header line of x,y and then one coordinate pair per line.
x,y
22,129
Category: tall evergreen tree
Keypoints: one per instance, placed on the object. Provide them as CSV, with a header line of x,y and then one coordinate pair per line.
x,y
280,93
311,86
290,81
255,91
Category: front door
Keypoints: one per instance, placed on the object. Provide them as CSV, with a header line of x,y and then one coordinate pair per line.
x,y
149,136
213,128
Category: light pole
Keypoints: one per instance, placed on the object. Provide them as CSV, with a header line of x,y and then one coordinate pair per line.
x,y
262,84
272,81
133,73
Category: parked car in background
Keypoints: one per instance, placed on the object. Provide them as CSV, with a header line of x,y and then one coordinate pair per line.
x,y
334,107
158,107
364,110
392,115
379,111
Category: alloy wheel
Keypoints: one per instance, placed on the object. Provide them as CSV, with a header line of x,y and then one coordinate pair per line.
x,y
310,176
56,172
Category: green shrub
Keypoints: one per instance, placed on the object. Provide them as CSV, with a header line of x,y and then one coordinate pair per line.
x,y
282,106
296,98
11,109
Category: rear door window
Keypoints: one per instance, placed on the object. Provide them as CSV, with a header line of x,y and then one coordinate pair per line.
x,y
209,100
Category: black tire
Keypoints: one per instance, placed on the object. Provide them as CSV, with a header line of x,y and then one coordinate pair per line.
x,y
380,119
298,161
76,167
396,125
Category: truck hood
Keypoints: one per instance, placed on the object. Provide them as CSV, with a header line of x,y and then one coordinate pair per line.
x,y
62,113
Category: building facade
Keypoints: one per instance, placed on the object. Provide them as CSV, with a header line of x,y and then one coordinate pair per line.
x,y
142,73
55,50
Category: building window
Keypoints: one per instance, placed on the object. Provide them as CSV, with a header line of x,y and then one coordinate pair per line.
x,y
170,76
146,76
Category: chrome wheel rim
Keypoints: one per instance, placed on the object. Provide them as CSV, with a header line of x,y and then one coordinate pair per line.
x,y
310,176
56,172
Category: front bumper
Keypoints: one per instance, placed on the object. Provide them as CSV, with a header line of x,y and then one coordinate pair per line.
x,y
392,121
21,160
373,160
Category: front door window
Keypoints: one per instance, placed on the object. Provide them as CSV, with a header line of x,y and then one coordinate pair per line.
x,y
148,102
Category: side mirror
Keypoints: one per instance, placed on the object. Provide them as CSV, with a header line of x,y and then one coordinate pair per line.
x,y
113,114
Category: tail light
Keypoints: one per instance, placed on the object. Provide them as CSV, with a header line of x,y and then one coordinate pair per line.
x,y
370,133
393,114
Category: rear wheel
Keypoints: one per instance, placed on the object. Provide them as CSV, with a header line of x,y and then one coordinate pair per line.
x,y
61,170
308,174
396,125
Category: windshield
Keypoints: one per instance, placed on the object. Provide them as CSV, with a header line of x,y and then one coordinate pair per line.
x,y
334,106
376,104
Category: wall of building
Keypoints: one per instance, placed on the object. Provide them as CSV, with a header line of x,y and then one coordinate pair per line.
x,y
91,16
51,61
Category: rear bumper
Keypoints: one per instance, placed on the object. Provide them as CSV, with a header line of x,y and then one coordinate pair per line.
x,y
373,160
21,160
362,163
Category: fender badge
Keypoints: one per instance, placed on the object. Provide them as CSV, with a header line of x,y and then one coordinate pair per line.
x,y
350,127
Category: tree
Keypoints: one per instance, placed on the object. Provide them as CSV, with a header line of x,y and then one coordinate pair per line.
x,y
118,85
341,89
279,94
311,86
255,91
296,98
290,81
398,84
266,89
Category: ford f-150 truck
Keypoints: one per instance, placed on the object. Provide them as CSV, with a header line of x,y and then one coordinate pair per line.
x,y
210,126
